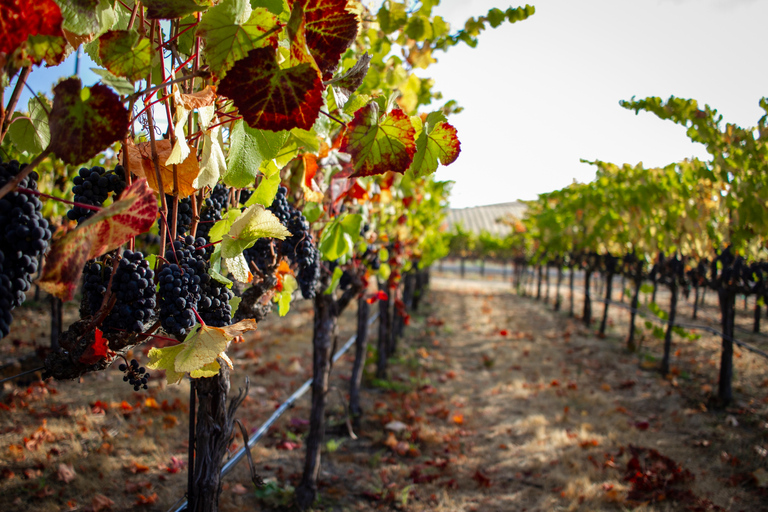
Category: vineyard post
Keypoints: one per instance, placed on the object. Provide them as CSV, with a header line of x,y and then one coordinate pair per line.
x,y
610,270
383,342
695,299
559,296
546,274
539,279
637,280
756,325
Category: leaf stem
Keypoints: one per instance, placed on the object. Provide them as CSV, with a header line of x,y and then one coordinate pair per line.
x,y
24,172
342,123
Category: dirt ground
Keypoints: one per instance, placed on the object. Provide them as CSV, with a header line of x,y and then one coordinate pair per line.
x,y
494,403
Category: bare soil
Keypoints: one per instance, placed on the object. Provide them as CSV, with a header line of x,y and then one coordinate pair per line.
x,y
494,403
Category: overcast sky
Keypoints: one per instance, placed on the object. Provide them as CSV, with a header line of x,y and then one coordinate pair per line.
x,y
543,93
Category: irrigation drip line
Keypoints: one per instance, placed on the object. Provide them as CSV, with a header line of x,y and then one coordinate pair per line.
x,y
740,343
237,457
22,374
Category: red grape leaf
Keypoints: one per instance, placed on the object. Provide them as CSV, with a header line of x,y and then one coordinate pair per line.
x,y
96,352
170,9
433,144
20,19
271,98
124,53
51,49
330,30
379,144
133,214
84,122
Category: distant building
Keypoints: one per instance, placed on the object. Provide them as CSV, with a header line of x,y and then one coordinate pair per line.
x,y
486,218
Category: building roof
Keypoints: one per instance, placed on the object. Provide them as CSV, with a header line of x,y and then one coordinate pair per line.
x,y
485,218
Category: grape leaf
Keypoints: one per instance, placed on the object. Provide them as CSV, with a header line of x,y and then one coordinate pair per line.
x,y
330,29
283,297
85,122
205,343
254,223
272,98
202,346
267,190
20,19
212,162
31,134
238,267
51,49
170,9
339,237
164,359
378,145
96,351
134,213
140,163
119,83
223,226
229,35
433,143
125,53
349,82
248,149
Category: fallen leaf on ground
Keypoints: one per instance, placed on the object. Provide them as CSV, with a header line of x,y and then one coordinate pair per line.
x,y
66,473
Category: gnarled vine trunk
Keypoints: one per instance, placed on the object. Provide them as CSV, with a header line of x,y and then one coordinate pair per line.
x,y
361,346
383,343
558,295
631,346
587,317
668,336
727,298
608,290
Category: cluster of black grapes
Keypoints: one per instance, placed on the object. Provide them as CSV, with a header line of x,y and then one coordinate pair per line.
x,y
93,186
371,257
135,375
181,284
24,236
214,305
183,216
211,210
299,247
132,287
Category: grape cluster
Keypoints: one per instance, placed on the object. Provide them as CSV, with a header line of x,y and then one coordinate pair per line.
x,y
245,195
133,289
263,254
299,247
183,216
135,375
211,211
214,305
181,284
93,186
371,257
24,236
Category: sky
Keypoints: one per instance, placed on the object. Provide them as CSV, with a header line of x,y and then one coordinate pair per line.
x,y
541,94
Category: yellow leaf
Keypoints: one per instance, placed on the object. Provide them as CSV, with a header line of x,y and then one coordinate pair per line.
x,y
207,371
163,359
254,223
141,164
202,346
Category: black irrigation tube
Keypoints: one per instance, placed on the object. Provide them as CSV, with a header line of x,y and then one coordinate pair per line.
x,y
237,457
746,346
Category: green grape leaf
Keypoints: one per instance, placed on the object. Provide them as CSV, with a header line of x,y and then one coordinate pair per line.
x,y
312,212
234,303
283,297
31,133
51,49
201,347
378,145
267,190
393,18
85,122
270,97
120,84
124,53
223,226
229,35
335,278
433,143
248,149
170,9
254,223
165,359
339,237
19,20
